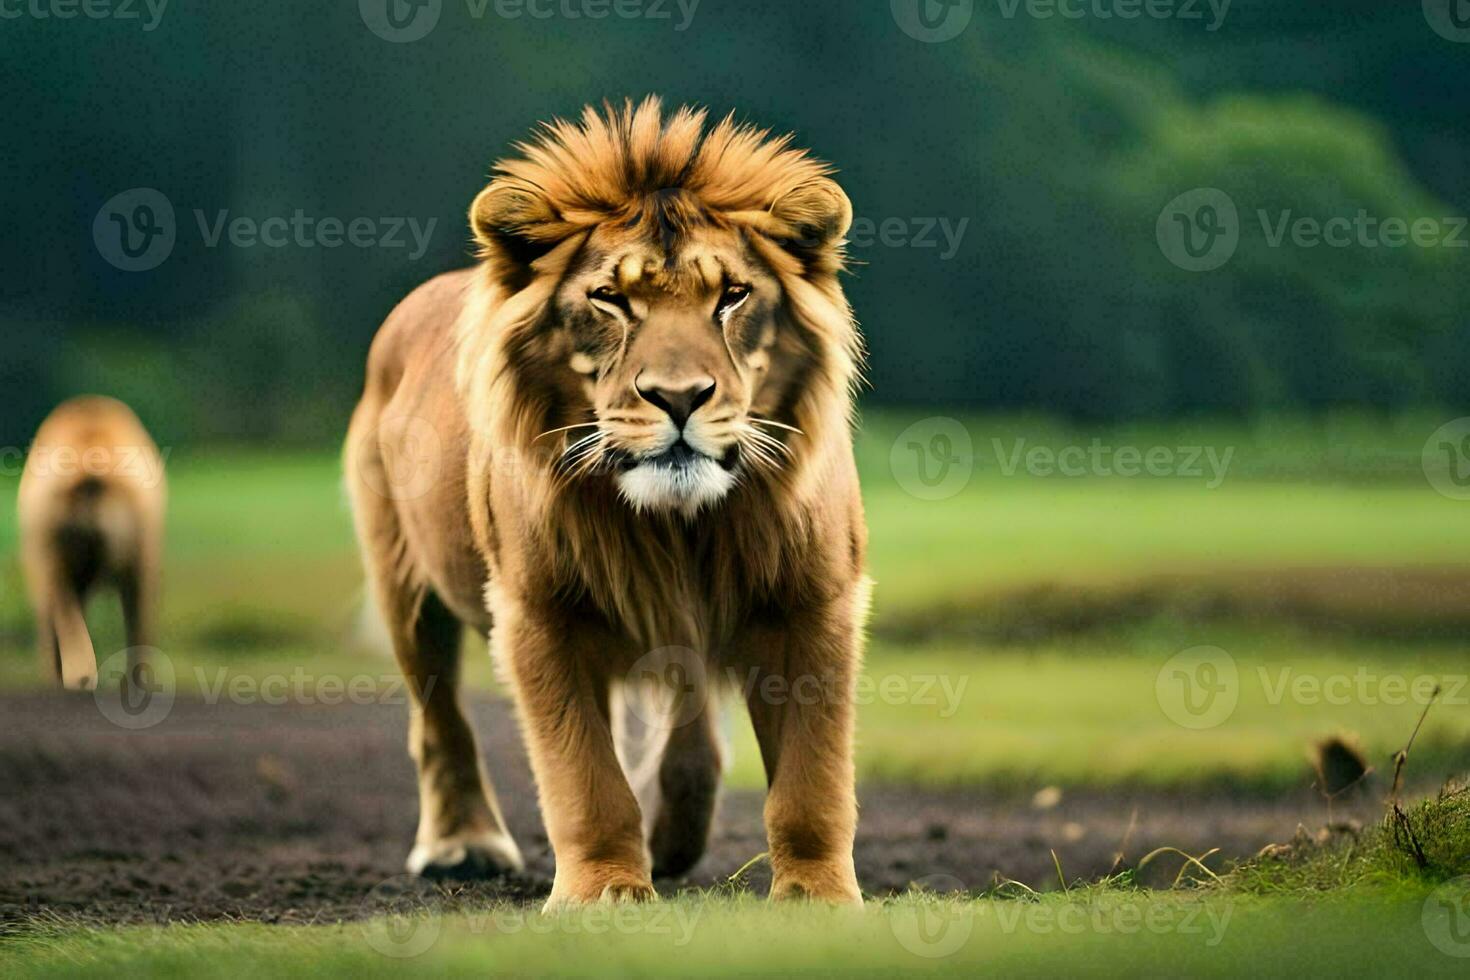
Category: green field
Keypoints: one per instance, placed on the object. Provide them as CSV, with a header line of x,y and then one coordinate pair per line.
x,y
1092,933
1030,630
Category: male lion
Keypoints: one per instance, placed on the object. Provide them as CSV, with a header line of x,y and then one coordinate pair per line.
x,y
624,437
90,508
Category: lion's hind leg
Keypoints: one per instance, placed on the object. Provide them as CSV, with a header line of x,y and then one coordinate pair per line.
x,y
672,750
58,595
688,783
461,832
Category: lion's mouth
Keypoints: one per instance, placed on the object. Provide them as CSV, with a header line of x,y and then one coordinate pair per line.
x,y
679,456
677,478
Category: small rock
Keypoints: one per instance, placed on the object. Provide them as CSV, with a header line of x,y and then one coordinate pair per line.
x,y
1047,798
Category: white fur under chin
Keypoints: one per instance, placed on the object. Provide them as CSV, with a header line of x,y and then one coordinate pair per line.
x,y
651,486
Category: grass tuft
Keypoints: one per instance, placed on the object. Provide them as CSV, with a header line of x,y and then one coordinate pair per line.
x,y
1430,843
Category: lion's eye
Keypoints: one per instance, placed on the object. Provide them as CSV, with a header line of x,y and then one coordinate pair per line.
x,y
605,296
733,298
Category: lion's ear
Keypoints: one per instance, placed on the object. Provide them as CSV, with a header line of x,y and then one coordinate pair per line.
x,y
817,213
514,226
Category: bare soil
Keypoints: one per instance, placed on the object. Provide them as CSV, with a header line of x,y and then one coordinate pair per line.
x,y
297,813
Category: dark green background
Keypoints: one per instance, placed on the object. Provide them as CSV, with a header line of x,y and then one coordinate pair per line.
x,y
1059,141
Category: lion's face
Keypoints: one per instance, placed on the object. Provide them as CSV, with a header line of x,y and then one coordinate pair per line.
x,y
675,352
666,305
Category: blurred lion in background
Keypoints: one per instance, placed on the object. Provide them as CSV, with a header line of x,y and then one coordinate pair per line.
x,y
621,448
91,511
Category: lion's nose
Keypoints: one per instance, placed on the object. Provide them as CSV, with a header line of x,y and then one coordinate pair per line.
x,y
679,400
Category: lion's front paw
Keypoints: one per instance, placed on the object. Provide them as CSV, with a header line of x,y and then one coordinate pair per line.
x,y
611,884
484,854
822,881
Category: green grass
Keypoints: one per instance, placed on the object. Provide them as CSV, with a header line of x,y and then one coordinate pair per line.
x,y
1428,841
1092,932
1090,714
1370,904
1366,904
1350,495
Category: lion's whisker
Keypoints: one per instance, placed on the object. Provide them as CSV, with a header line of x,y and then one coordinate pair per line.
x,y
780,425
585,441
757,446
773,445
565,428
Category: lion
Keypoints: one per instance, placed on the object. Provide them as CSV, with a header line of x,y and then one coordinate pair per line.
x,y
620,447
91,512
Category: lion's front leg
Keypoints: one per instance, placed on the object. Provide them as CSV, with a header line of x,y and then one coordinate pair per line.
x,y
801,706
561,677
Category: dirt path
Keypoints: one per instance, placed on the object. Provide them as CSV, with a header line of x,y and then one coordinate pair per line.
x,y
294,814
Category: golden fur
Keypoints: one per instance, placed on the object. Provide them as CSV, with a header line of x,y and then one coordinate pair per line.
x,y
621,447
90,507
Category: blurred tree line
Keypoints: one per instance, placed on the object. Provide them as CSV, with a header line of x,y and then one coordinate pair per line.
x,y
1012,180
